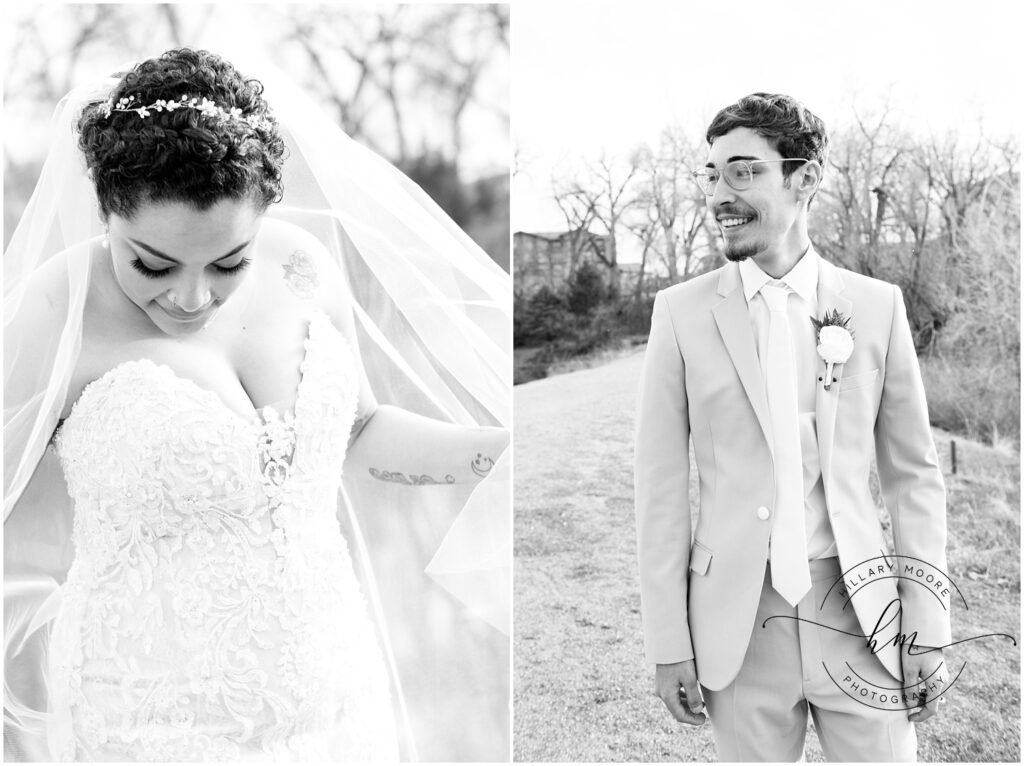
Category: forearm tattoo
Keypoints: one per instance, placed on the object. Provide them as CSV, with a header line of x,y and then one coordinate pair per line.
x,y
480,465
413,480
300,274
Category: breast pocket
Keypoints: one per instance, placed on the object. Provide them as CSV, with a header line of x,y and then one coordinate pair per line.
x,y
853,382
700,558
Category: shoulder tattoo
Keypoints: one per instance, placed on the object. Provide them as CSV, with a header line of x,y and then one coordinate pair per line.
x,y
300,274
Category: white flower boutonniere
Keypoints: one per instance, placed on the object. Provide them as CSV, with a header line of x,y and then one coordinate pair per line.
x,y
835,341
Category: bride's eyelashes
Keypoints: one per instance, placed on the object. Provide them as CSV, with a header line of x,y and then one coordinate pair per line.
x,y
143,269
240,266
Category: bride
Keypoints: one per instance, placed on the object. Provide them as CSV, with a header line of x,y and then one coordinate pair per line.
x,y
203,370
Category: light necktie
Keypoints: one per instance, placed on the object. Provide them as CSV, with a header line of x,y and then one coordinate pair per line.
x,y
791,575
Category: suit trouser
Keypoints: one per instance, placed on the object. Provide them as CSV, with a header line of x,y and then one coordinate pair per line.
x,y
762,714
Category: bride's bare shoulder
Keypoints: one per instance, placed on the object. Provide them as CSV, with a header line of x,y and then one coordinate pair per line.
x,y
301,267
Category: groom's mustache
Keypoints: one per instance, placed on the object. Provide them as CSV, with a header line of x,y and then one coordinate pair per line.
x,y
731,210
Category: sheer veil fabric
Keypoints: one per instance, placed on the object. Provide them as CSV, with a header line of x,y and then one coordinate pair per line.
x,y
433,318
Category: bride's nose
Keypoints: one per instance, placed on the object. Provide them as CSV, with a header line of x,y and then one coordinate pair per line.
x,y
191,296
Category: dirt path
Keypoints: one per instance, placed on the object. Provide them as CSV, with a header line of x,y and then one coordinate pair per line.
x,y
582,688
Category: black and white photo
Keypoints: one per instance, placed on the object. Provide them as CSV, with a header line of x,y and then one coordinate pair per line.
x,y
767,402
256,395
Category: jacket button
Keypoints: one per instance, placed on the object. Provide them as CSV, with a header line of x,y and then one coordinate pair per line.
x,y
762,513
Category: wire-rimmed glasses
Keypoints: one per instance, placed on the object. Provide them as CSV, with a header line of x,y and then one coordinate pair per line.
x,y
738,174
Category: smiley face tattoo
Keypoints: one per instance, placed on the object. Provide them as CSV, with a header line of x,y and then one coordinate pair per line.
x,y
481,465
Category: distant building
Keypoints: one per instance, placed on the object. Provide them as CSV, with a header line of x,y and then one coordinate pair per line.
x,y
629,273
549,258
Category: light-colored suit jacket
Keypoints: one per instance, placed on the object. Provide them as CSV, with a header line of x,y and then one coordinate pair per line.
x,y
702,381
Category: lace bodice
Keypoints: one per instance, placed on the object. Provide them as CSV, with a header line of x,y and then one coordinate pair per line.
x,y
212,611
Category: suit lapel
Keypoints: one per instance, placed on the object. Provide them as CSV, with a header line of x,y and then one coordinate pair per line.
x,y
733,321
830,285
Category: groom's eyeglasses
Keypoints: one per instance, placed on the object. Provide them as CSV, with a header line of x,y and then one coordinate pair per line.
x,y
739,174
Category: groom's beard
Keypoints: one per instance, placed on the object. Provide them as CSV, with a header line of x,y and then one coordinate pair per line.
x,y
746,244
740,251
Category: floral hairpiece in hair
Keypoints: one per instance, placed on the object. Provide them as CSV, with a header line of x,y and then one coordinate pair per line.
x,y
204,105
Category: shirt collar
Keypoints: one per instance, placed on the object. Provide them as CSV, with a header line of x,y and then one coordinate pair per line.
x,y
801,279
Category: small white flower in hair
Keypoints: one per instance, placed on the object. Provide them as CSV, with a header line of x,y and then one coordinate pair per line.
x,y
209,108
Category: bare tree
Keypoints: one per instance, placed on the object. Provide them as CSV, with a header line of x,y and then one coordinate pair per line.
x,y
857,196
644,228
577,209
454,63
394,61
899,208
43,63
352,63
671,198
604,186
984,221
170,13
874,215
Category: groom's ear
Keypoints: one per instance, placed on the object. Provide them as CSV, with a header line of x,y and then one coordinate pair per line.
x,y
807,179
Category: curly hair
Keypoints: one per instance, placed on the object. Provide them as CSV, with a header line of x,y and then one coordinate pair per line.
x,y
184,155
790,127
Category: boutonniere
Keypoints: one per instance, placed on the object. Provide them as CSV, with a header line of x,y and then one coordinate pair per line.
x,y
835,341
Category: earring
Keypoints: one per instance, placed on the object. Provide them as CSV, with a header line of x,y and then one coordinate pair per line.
x,y
105,242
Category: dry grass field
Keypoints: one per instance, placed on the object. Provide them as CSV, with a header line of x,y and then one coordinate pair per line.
x,y
582,691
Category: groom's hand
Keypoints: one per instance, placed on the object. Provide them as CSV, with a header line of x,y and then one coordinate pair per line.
x,y
677,686
924,672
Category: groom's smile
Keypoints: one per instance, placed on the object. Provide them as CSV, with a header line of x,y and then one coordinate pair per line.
x,y
731,221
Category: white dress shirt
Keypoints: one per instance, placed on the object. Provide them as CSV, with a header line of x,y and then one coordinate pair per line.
x,y
802,280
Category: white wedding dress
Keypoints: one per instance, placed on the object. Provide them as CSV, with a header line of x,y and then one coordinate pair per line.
x,y
212,611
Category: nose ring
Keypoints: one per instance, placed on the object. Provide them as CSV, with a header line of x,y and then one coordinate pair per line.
x,y
172,297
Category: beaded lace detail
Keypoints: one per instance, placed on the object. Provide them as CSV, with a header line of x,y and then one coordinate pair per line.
x,y
212,611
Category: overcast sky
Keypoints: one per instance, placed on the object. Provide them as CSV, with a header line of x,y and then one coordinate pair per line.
x,y
593,76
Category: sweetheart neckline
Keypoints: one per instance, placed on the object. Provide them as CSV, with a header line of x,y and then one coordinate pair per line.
x,y
256,418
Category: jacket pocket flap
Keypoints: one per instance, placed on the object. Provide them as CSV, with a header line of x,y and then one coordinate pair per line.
x,y
700,558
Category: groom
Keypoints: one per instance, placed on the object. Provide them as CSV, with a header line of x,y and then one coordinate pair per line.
x,y
781,601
